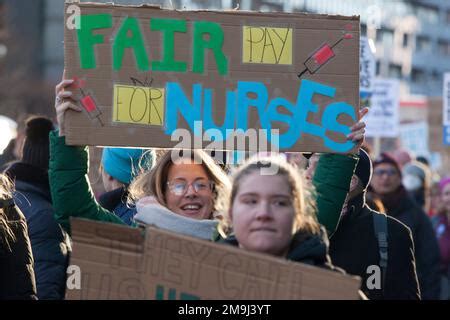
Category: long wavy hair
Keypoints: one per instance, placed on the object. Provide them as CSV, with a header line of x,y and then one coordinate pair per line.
x,y
302,193
6,234
154,182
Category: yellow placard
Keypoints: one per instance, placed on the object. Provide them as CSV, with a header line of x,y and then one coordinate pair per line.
x,y
266,45
142,105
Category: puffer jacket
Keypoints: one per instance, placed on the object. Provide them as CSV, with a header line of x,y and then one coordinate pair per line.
x,y
17,280
49,242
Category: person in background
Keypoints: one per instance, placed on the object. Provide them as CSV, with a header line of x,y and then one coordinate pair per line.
x,y
49,242
387,184
17,280
118,168
442,228
382,241
416,178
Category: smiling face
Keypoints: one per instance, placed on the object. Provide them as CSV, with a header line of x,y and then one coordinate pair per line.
x,y
262,214
196,200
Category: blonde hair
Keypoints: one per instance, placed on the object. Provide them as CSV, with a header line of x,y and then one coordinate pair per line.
x,y
154,182
303,196
6,234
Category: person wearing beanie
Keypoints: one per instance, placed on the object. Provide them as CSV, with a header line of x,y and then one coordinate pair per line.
x,y
355,246
50,244
387,184
118,167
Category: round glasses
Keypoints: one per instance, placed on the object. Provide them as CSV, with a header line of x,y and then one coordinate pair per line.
x,y
179,188
389,172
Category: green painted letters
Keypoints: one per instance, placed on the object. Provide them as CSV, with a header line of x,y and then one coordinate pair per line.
x,y
86,39
135,41
214,43
129,36
168,27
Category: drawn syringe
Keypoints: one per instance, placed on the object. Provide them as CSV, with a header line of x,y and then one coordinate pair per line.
x,y
321,56
90,106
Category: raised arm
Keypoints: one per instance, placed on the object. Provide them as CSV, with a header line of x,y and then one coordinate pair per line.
x,y
332,179
68,168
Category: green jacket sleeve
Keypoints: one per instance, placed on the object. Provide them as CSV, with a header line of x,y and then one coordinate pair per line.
x,y
332,183
69,184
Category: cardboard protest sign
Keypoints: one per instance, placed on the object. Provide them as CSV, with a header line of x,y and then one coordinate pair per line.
x,y
383,117
119,262
166,78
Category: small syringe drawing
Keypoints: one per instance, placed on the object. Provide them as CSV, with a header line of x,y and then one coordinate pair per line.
x,y
321,56
88,102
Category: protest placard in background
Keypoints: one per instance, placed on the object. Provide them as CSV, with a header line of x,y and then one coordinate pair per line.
x,y
446,109
367,66
143,72
383,117
120,262
414,137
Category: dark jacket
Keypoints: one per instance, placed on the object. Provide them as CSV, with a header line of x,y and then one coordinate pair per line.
x,y
116,201
354,247
17,280
49,242
425,243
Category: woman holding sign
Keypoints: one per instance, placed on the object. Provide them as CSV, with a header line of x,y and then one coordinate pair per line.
x,y
275,214
179,194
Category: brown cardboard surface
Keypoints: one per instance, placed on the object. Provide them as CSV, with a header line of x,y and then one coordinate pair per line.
x,y
309,32
119,262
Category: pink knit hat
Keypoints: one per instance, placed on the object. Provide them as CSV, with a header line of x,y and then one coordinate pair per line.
x,y
443,183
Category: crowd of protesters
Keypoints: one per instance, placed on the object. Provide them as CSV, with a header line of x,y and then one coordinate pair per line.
x,y
341,212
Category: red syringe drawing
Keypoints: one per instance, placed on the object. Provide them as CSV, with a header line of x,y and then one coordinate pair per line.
x,y
321,56
87,101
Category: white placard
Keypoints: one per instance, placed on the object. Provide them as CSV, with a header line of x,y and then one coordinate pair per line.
x,y
446,100
414,137
366,67
383,118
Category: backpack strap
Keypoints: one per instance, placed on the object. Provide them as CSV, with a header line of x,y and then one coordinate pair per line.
x,y
381,232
